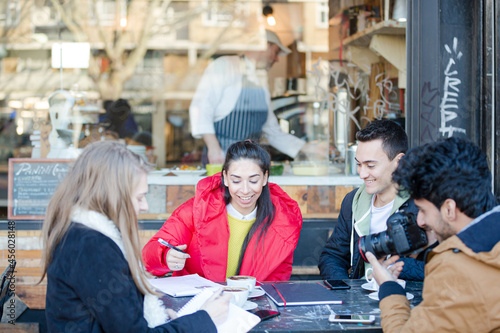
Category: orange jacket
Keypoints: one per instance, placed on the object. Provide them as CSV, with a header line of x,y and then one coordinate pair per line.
x,y
201,223
461,286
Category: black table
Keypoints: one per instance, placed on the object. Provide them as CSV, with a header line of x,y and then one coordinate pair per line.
x,y
314,318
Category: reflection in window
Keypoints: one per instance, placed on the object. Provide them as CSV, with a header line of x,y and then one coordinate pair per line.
x,y
10,12
152,62
173,22
220,14
43,14
322,15
106,10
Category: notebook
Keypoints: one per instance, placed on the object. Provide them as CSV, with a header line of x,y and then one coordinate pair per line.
x,y
179,286
238,320
284,294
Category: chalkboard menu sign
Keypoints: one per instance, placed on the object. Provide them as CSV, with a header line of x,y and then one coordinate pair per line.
x,y
32,182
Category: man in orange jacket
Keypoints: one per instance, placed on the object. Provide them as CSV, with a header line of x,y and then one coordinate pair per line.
x,y
451,185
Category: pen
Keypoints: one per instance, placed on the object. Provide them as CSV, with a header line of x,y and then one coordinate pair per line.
x,y
167,244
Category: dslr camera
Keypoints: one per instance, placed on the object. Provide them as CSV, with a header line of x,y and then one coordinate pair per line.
x,y
403,237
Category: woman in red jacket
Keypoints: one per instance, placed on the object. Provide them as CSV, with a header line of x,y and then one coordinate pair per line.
x,y
237,223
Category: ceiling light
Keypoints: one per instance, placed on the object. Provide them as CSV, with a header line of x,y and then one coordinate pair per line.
x,y
267,11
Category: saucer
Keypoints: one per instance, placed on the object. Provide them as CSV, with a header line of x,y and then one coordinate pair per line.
x,y
257,292
249,306
368,286
374,296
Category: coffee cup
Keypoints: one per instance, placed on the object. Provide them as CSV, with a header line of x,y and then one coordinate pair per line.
x,y
242,281
370,279
374,285
239,294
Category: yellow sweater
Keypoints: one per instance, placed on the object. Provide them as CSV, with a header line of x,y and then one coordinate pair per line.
x,y
238,230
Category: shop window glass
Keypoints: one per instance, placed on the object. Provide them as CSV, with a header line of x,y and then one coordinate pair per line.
x,y
222,13
172,24
164,82
322,15
10,11
43,14
106,10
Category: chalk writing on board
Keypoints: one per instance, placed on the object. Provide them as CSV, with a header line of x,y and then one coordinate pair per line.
x,y
33,184
449,101
58,170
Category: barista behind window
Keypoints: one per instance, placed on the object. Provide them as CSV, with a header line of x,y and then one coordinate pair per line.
x,y
231,103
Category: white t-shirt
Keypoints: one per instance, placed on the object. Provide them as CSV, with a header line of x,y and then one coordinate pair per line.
x,y
380,215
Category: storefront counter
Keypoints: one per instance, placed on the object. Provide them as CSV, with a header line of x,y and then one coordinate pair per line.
x,y
330,180
318,197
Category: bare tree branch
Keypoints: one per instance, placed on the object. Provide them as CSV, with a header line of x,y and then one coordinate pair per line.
x,y
207,54
181,20
138,53
11,31
110,51
67,19
115,40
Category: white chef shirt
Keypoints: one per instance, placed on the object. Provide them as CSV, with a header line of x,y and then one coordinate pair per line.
x,y
216,97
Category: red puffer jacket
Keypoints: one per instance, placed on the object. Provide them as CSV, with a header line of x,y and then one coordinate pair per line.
x,y
201,223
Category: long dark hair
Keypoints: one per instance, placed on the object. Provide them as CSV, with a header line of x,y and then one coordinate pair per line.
x,y
265,208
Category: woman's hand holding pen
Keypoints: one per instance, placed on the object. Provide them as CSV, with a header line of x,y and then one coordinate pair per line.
x,y
176,259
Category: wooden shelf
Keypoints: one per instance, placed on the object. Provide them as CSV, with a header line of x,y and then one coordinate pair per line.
x,y
363,38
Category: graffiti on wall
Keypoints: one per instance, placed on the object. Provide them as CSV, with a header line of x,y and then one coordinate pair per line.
x,y
451,91
359,103
428,95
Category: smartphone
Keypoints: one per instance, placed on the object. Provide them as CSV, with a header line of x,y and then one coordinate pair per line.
x,y
337,284
266,314
355,319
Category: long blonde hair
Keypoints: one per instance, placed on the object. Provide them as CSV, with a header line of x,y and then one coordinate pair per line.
x,y
102,180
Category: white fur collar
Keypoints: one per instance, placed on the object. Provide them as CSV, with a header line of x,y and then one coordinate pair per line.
x,y
154,310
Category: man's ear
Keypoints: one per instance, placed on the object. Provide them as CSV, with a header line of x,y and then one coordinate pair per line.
x,y
449,210
399,157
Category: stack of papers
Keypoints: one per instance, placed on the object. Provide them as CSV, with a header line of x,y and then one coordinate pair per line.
x,y
179,286
238,320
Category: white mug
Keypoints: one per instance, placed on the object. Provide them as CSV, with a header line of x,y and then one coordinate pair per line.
x,y
370,279
242,281
240,295
374,285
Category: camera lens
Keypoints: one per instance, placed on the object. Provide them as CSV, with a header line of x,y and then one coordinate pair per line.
x,y
403,236
379,244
